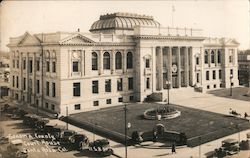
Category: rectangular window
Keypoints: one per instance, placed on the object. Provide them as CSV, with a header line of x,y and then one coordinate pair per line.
x,y
17,82
47,66
95,87
47,88
30,66
108,85
53,107
214,74
17,63
24,64
37,65
207,75
54,66
53,89
119,84
215,86
131,98
77,89
197,61
120,99
230,59
147,64
24,83
37,86
208,87
220,74
13,81
108,101
77,106
75,66
197,77
13,63
96,103
148,83
46,105
231,72
130,83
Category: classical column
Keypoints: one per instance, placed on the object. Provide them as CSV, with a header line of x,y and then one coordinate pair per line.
x,y
179,67
100,64
170,65
112,61
160,68
124,61
186,66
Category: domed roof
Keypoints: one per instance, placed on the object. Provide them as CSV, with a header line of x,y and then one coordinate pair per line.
x,y
123,21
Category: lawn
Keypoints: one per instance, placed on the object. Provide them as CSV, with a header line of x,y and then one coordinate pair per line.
x,y
193,122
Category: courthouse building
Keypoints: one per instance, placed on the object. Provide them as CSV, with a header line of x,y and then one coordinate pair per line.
x,y
125,58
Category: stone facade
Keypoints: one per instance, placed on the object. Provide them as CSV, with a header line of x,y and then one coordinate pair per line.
x,y
123,62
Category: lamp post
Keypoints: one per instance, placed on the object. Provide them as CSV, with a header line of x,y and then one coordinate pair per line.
x,y
126,127
168,87
231,89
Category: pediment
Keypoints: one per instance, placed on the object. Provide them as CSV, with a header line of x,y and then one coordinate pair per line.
x,y
76,39
29,39
231,42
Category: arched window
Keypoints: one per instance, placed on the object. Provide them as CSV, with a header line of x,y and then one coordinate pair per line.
x,y
206,57
94,61
212,57
118,60
106,61
129,60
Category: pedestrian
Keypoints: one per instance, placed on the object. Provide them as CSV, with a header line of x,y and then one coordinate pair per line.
x,y
246,115
154,136
173,148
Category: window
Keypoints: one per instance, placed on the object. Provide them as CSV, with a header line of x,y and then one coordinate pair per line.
x,y
47,66
37,65
214,74
108,101
106,61
47,88
77,106
219,56
54,66
119,84
13,81
95,87
24,83
17,63
30,66
147,64
37,86
197,77
17,82
129,60
130,83
231,72
94,61
120,99
76,89
13,64
220,74
208,87
212,57
53,89
118,60
24,64
96,103
75,66
52,107
207,75
46,105
197,61
206,57
131,98
108,85
215,86
221,85
148,83
230,56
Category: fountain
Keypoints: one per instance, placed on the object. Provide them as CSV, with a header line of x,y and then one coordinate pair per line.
x,y
161,113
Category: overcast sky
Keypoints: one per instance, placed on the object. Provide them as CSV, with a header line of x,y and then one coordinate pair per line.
x,y
217,18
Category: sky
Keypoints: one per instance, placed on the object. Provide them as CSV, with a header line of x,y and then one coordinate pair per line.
x,y
217,18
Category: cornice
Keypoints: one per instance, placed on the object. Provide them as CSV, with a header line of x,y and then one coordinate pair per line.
x,y
169,37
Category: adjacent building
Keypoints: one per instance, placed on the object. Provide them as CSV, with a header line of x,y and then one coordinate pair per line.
x,y
125,58
244,68
4,74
